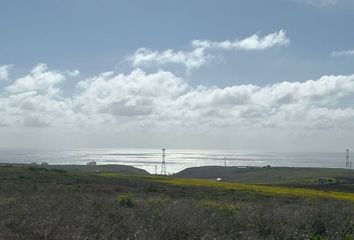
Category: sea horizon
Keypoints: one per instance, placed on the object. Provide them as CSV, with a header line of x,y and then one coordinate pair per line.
x,y
149,159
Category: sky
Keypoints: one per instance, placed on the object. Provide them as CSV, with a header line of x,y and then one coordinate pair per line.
x,y
275,75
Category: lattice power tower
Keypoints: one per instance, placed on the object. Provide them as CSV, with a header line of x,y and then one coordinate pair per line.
x,y
348,163
163,164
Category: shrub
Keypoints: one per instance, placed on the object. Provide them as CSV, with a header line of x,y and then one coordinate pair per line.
x,y
59,171
159,201
315,237
37,169
125,199
218,206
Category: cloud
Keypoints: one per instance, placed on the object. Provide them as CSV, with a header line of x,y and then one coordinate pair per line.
x,y
40,79
4,72
35,100
31,109
74,73
253,42
281,105
191,60
198,57
320,3
135,94
140,101
346,53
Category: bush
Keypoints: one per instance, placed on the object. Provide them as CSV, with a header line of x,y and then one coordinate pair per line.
x,y
59,171
315,237
125,199
37,169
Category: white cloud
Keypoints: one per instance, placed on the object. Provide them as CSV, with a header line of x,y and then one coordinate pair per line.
x,y
35,100
346,53
31,109
139,101
320,3
253,42
191,60
40,79
197,57
279,105
74,73
164,99
135,94
4,72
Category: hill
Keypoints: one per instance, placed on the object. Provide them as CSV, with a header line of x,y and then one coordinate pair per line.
x,y
271,175
123,169
70,203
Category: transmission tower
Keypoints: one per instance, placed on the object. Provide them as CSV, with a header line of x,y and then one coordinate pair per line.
x,y
348,163
163,164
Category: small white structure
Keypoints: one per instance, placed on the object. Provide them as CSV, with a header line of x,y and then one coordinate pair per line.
x,y
92,163
219,179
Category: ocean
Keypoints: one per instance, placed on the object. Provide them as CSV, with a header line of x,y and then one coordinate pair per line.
x,y
176,159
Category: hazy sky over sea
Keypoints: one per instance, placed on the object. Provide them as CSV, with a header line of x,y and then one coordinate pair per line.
x,y
273,75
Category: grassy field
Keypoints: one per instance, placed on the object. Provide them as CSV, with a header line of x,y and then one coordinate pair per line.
x,y
261,189
123,169
273,175
51,203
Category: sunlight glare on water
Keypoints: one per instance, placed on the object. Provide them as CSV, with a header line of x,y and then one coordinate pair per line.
x,y
176,159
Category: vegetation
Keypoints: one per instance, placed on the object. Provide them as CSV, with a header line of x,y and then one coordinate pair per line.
x,y
125,199
44,203
271,175
261,189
